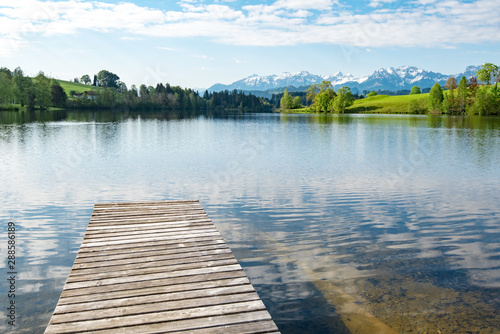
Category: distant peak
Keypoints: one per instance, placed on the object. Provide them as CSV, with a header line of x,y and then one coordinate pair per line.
x,y
389,78
472,67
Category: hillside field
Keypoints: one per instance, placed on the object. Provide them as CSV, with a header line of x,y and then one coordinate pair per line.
x,y
386,104
77,87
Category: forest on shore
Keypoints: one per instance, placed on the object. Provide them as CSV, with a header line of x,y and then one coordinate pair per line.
x,y
106,91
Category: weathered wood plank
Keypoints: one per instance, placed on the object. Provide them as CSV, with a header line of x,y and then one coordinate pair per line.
x,y
148,233
152,267
166,244
131,273
159,251
164,316
134,227
162,285
154,237
155,307
139,217
155,266
154,298
127,259
227,324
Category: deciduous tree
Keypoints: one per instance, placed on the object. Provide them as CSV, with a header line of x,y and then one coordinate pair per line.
x,y
487,72
42,91
343,100
436,97
6,88
85,79
451,83
450,102
107,79
462,94
297,102
286,101
59,96
415,90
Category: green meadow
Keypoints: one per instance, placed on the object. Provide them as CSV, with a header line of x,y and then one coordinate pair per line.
x,y
383,104
68,86
399,104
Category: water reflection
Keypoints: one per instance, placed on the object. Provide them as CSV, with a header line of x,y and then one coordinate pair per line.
x,y
340,221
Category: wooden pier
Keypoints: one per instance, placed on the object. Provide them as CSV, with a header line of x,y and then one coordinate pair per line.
x,y
157,267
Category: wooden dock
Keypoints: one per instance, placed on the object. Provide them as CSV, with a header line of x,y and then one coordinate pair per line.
x,y
157,267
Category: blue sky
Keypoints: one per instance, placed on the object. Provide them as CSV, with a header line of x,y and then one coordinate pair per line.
x,y
197,43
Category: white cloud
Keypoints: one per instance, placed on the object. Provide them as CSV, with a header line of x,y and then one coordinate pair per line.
x,y
300,4
166,48
422,23
377,3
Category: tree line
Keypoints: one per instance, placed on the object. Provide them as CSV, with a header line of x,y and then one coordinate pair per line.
x,y
106,91
321,98
480,95
18,89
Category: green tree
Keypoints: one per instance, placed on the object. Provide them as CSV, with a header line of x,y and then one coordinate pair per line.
x,y
122,87
415,90
450,101
286,101
487,72
42,91
85,79
463,93
343,100
322,96
480,105
473,86
372,93
107,79
297,102
6,89
59,96
144,94
108,98
436,97
24,89
419,106
311,92
17,81
30,94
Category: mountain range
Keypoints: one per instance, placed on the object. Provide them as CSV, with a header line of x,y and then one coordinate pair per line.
x,y
391,79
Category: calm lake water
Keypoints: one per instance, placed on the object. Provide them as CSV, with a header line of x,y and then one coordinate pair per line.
x,y
340,221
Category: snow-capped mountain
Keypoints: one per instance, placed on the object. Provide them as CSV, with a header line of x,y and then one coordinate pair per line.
x,y
393,79
256,82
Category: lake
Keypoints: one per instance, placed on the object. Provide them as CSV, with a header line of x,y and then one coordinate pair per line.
x,y
340,221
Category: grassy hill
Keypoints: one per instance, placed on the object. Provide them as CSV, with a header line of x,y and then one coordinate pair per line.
x,y
399,104
77,87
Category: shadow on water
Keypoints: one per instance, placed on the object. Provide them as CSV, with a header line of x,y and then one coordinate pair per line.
x,y
307,313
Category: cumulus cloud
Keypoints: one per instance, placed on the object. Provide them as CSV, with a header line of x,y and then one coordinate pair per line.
x,y
300,4
420,23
